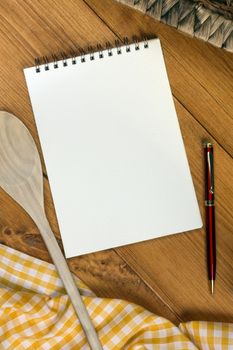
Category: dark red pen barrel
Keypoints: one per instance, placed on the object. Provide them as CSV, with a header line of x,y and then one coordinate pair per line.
x,y
210,212
211,242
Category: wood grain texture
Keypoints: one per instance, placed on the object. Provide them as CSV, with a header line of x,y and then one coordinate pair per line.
x,y
204,102
28,31
167,275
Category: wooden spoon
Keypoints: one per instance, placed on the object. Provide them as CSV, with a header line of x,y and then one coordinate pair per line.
x,y
21,177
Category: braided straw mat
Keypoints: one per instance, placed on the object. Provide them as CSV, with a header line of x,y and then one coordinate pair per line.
x,y
211,21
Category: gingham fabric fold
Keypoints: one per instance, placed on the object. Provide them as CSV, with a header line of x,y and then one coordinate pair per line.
x,y
35,313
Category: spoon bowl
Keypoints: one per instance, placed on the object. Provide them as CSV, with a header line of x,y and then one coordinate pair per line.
x,y
16,135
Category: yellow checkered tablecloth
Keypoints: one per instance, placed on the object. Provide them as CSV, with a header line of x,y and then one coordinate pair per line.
x,y
35,313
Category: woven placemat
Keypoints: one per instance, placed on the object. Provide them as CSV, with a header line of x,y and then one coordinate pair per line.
x,y
211,21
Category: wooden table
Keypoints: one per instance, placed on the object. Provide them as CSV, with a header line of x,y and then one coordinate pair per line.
x,y
167,275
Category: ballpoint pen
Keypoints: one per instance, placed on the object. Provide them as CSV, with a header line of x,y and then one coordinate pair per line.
x,y
210,214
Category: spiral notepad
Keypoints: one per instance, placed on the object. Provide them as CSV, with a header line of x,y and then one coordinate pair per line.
x,y
112,146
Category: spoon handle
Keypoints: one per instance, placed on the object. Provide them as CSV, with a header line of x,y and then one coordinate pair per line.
x,y
69,283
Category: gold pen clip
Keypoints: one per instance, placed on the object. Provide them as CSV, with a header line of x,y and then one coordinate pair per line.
x,y
210,166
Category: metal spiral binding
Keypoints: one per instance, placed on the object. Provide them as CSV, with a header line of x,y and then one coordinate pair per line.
x,y
90,53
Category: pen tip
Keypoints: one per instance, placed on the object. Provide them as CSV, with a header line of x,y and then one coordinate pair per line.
x,y
212,286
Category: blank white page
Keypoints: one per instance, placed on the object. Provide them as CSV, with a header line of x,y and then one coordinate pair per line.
x,y
113,149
